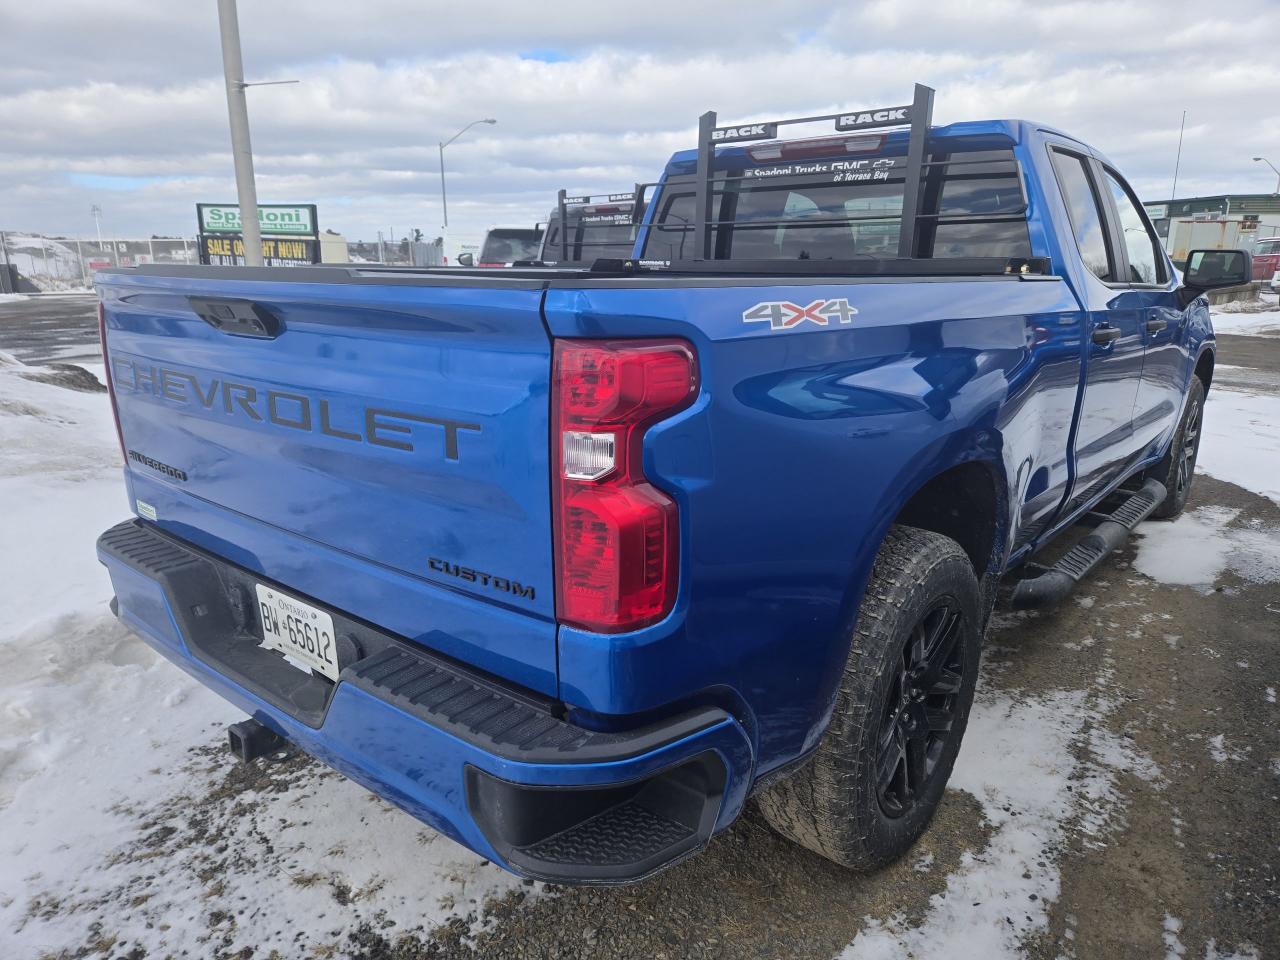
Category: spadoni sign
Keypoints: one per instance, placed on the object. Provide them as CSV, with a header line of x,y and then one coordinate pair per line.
x,y
290,237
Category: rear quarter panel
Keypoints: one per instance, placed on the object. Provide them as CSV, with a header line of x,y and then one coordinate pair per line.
x,y
803,446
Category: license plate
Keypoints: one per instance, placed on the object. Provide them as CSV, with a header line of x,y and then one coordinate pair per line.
x,y
303,633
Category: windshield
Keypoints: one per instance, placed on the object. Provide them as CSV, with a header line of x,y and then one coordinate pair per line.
x,y
592,237
1266,245
844,209
506,246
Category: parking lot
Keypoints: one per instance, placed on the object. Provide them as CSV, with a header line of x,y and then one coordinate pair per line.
x,y
1116,794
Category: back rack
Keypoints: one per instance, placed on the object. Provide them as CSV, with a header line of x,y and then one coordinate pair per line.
x,y
564,201
918,116
918,174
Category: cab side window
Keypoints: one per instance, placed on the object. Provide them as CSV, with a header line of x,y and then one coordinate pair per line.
x,y
1146,265
1085,212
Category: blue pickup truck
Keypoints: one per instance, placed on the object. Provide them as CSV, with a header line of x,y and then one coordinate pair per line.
x,y
594,228
573,562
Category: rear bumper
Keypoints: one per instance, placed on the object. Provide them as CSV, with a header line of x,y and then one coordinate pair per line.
x,y
490,765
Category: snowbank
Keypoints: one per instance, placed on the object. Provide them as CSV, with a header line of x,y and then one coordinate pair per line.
x,y
1261,324
1251,318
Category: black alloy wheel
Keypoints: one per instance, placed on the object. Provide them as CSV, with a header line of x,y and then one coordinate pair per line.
x,y
1190,448
921,709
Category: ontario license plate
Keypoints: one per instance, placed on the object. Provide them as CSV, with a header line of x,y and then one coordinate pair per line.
x,y
300,631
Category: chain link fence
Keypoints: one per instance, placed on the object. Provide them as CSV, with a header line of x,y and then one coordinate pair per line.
x,y
43,264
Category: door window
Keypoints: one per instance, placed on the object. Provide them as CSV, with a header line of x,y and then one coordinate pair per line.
x,y
1146,265
1085,213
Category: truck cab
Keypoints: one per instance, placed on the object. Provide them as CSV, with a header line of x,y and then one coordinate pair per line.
x,y
505,245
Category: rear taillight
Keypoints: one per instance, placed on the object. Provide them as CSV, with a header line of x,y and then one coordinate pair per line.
x,y
617,536
111,390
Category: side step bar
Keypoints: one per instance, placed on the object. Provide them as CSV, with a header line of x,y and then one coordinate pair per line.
x,y
1113,529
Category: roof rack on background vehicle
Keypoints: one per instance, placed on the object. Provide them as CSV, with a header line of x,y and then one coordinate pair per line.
x,y
595,208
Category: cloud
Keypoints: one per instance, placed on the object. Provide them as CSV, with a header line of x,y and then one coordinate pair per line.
x,y
123,104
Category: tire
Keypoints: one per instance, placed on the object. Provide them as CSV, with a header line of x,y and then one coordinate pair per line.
x,y
836,804
1178,468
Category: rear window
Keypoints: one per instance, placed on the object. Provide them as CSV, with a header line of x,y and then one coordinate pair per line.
x,y
807,211
1267,246
592,237
505,246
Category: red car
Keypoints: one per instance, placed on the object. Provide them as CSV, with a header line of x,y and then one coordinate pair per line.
x,y
1266,260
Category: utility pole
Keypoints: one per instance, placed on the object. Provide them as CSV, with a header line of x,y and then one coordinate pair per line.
x,y
241,151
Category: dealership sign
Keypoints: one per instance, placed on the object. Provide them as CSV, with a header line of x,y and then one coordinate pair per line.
x,y
289,234
274,220
228,251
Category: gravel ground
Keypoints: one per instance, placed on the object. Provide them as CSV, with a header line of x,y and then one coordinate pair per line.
x,y
1169,847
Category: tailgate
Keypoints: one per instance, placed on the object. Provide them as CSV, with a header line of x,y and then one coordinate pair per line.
x,y
402,424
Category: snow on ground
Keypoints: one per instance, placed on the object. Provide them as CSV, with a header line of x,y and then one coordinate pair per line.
x,y
114,817
1038,775
1265,324
1017,760
1241,442
1251,318
12,297
1173,945
1197,547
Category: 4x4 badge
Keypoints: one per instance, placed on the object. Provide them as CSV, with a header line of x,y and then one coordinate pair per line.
x,y
783,314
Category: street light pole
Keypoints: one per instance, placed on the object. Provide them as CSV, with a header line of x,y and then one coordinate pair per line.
x,y
444,200
238,113
1273,169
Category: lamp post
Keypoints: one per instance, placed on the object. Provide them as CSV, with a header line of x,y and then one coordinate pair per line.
x,y
1273,169
444,202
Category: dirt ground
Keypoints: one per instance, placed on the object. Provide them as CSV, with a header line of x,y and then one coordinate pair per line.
x,y
1174,853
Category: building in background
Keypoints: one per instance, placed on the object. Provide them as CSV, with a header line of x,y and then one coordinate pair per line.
x,y
1224,222
333,248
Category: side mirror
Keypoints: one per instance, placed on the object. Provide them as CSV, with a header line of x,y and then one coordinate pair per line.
x,y
1215,269
466,260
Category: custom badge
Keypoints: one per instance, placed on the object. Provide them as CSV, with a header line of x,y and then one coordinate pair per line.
x,y
784,315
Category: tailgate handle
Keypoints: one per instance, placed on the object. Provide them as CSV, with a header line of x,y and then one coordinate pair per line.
x,y
239,318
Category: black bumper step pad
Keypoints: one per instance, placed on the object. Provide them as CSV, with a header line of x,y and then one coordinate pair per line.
x,y
483,714
629,833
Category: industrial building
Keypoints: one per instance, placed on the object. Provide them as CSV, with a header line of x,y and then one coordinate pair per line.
x,y
1226,221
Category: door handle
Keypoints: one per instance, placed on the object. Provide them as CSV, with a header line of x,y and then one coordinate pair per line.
x,y
1155,325
1104,335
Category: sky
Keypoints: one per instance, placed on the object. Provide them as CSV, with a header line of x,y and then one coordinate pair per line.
x,y
122,104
